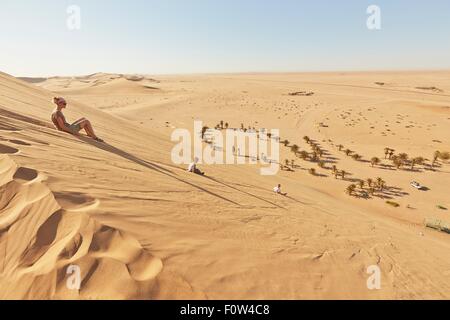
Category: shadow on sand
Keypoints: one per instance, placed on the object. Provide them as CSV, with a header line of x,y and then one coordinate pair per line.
x,y
148,165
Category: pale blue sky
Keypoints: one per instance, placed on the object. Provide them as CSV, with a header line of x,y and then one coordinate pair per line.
x,y
208,36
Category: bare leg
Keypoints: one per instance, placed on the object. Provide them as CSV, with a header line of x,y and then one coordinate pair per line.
x,y
87,126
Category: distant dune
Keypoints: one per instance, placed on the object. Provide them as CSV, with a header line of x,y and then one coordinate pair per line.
x,y
32,80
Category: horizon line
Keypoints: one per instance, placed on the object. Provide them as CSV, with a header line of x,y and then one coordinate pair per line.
x,y
405,70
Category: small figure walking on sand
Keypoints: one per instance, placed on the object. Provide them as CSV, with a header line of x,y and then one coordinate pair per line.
x,y
61,124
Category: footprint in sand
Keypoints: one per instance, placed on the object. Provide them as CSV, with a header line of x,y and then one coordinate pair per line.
x,y
6,127
20,142
8,150
27,176
75,201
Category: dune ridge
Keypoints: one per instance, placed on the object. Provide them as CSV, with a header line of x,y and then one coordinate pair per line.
x,y
39,240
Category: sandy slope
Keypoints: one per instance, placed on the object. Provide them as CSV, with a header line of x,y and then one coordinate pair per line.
x,y
141,227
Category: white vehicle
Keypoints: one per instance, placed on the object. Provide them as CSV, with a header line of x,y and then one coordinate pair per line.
x,y
417,185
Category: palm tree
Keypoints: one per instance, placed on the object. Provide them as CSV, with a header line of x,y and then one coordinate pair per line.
x,y
321,164
416,160
348,152
334,168
304,155
356,157
361,184
307,139
374,161
292,164
340,147
444,155
242,126
312,171
386,152
397,161
351,189
286,143
204,129
336,173
369,182
315,156
269,135
391,153
226,125
403,157
294,148
343,173
320,152
286,162
221,124
435,157
380,183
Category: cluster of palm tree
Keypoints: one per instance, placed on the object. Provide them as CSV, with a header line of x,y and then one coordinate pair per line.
x,y
316,154
372,186
221,125
399,160
338,173
225,125
289,163
350,153
416,160
402,159
388,153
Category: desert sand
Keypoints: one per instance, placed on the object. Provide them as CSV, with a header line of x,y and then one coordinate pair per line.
x,y
140,227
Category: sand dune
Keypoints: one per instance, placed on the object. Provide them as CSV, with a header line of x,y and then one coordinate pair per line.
x,y
43,235
140,227
98,83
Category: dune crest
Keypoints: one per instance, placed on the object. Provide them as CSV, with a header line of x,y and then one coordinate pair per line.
x,y
40,240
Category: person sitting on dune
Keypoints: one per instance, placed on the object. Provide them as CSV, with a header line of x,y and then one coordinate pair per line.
x,y
61,124
193,167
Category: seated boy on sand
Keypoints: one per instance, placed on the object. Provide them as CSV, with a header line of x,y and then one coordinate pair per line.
x,y
277,190
61,124
193,167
